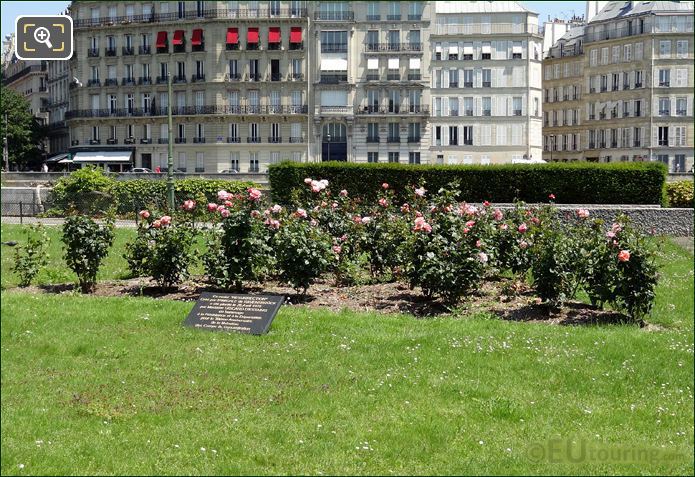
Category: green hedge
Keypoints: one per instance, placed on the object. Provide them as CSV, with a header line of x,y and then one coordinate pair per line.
x,y
90,190
576,183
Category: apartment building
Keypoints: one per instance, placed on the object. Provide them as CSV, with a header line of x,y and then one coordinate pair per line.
x,y
260,82
26,77
239,96
486,83
56,106
637,79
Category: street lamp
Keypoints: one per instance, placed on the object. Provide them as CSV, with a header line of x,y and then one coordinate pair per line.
x,y
328,139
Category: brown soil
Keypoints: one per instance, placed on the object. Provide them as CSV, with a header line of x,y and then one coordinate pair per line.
x,y
508,300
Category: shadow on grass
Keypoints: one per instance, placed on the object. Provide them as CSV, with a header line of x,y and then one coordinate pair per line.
x,y
573,313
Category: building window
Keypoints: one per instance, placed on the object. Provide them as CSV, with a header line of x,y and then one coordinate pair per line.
x,y
333,41
663,136
453,135
373,157
181,164
665,49
234,161
254,165
682,49
468,135
394,157
413,158
664,77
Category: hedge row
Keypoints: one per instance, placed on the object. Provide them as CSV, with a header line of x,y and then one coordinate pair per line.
x,y
90,190
577,183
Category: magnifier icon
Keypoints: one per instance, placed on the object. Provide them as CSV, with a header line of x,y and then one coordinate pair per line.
x,y
42,35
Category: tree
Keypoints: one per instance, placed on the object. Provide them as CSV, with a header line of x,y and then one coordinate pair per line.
x,y
24,133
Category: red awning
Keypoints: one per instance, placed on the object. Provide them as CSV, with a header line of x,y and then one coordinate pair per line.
x,y
232,36
252,35
161,39
274,35
178,37
296,35
197,38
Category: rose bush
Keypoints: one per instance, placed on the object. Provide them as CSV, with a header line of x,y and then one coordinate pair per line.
x,y
86,245
30,257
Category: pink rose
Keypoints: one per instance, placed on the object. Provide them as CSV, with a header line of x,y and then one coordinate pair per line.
x,y
189,205
405,208
301,213
535,220
228,203
582,213
470,209
522,228
337,249
254,194
523,244
366,220
220,208
343,238
418,214
212,207
157,223
166,220
486,204
255,214
313,223
420,192
334,205
610,234
497,215
470,223
225,213
273,224
466,230
478,243
421,225
482,256
343,193
276,209
357,219
223,195
383,202
624,256
504,227
616,228
308,180
551,197
385,185
315,189
144,214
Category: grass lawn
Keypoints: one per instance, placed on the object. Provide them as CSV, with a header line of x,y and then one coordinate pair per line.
x,y
118,386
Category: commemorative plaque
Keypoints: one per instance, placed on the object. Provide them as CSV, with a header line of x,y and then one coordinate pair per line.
x,y
229,312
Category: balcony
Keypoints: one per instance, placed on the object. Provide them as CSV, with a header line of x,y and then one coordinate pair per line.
x,y
127,51
275,140
144,80
468,84
486,112
372,76
663,142
274,46
296,140
198,48
93,82
664,112
163,140
162,79
681,112
253,140
468,112
626,86
393,140
254,77
146,140
391,47
517,112
296,46
664,83
414,139
393,76
604,89
110,51
275,77
179,140
487,84
393,18
592,145
94,142
592,90
252,46
373,139
466,57
232,47
198,140
614,144
638,85
128,81
453,84
336,109
415,17
197,77
296,76
144,50
333,78
186,111
414,77
112,141
92,52
129,140
637,143
162,50
454,112
110,82
179,79
373,18
334,16
233,140
333,47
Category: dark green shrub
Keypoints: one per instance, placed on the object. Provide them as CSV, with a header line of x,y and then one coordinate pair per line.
x,y
581,183
86,244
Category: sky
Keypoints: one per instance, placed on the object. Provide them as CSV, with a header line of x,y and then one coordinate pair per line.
x,y
11,9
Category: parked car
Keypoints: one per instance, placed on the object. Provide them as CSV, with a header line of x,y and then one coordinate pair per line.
x,y
141,170
229,171
176,171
